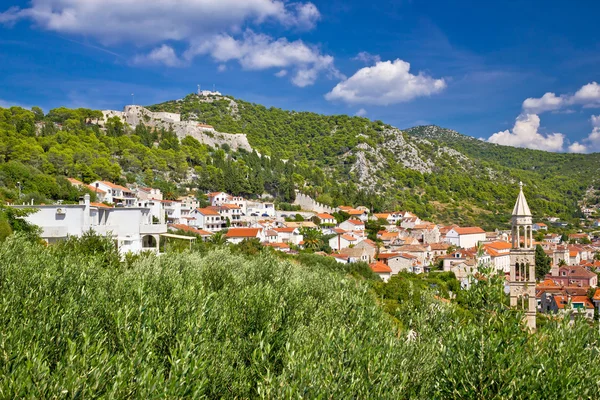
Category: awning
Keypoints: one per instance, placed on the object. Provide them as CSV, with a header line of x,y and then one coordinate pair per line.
x,y
172,235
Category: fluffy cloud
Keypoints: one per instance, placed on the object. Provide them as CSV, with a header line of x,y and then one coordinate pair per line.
x,y
154,21
361,113
385,83
587,96
258,52
548,102
160,55
525,134
367,58
209,27
592,142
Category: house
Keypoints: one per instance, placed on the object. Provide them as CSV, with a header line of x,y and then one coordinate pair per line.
x,y
229,212
258,209
131,228
499,253
237,235
576,305
116,194
326,219
553,238
573,276
283,247
188,202
100,194
342,241
398,262
206,218
465,237
370,247
353,225
147,193
579,237
382,270
539,226
355,254
410,222
288,235
426,233
217,198
438,249
421,252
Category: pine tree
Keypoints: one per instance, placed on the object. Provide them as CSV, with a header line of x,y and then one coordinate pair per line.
x,y
542,263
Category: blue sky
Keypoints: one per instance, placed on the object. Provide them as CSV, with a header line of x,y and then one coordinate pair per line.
x,y
512,72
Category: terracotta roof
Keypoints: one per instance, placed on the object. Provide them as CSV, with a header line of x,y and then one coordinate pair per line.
x,y
596,295
499,245
439,246
540,224
339,230
278,245
325,216
355,212
379,267
387,255
115,186
190,229
562,301
213,194
284,230
207,211
74,181
382,215
355,222
242,232
412,248
349,238
470,230
95,189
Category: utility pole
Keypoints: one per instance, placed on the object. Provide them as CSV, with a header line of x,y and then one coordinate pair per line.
x,y
19,186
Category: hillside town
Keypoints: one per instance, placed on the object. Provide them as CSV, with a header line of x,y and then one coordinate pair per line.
x,y
140,219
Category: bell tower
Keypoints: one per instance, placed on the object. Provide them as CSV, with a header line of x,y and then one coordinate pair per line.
x,y
522,260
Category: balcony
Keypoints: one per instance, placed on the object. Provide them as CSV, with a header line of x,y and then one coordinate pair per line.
x,y
153,229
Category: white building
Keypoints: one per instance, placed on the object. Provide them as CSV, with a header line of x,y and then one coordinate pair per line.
x,y
352,225
499,253
288,235
342,241
237,235
206,218
217,198
465,237
258,209
131,227
116,194
147,193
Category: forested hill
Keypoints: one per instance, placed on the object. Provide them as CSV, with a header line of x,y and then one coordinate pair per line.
x,y
439,174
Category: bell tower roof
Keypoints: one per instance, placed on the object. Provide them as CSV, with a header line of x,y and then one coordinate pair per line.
x,y
521,208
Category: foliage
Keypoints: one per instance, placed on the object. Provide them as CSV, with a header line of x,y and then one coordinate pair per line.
x,y
186,325
542,263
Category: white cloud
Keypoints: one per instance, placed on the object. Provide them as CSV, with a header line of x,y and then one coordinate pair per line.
x,y
367,57
385,83
577,148
160,55
222,68
281,74
548,102
588,95
525,134
592,141
258,52
361,113
155,21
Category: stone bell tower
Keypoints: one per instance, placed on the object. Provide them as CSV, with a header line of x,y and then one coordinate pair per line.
x,y
522,260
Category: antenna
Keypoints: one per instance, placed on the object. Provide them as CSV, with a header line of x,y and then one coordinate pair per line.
x,y
198,90
132,99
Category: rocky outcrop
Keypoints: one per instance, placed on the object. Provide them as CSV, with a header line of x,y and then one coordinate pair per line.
x,y
135,115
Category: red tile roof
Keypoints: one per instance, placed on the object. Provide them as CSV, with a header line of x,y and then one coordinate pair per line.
x,y
242,232
325,216
379,267
470,230
284,230
190,229
207,211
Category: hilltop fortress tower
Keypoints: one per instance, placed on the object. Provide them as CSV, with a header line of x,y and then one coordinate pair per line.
x,y
522,260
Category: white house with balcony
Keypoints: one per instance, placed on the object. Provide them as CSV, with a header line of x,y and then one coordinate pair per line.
x,y
130,227
116,194
207,219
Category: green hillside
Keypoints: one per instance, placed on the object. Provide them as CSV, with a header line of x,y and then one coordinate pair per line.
x,y
439,174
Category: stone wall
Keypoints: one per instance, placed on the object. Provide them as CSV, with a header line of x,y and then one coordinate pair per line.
x,y
307,203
